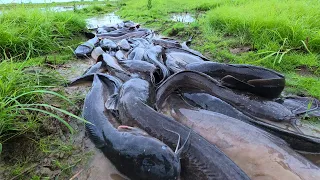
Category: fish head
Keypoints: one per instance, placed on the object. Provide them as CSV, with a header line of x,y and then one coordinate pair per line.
x,y
152,158
135,88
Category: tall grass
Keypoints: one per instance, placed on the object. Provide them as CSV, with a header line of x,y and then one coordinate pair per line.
x,y
269,23
31,32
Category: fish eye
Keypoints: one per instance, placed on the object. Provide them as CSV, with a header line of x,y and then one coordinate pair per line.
x,y
164,147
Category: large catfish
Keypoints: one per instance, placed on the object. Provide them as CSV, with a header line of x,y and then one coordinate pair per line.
x,y
132,151
251,105
201,160
259,154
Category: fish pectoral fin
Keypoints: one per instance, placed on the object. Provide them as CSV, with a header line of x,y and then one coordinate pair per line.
x,y
112,102
267,82
233,82
81,81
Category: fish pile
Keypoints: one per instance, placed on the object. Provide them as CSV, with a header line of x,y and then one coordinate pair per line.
x,y
160,110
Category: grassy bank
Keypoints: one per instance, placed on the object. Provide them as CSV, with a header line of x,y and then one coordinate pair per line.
x,y
26,33
281,35
33,111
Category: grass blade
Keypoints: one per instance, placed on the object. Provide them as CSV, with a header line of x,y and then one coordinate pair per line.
x,y
54,108
52,115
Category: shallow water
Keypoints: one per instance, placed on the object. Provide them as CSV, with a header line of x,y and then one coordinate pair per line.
x,y
108,19
65,8
182,17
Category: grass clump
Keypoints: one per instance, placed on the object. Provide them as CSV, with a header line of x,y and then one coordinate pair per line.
x,y
21,93
26,33
175,29
275,22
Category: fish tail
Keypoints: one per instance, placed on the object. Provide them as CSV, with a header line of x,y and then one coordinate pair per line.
x,y
295,126
296,112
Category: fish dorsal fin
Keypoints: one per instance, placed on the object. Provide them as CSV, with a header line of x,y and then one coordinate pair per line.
x,y
266,82
233,82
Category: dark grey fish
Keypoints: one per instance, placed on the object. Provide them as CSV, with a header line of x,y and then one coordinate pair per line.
x,y
134,34
144,69
96,53
85,49
120,56
200,160
177,61
300,142
189,51
251,105
302,105
154,56
132,151
96,68
166,43
137,53
124,45
108,44
185,47
114,68
88,79
261,81
255,151
139,42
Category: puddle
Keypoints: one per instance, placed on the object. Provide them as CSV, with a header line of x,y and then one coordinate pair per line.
x,y
64,8
107,19
182,17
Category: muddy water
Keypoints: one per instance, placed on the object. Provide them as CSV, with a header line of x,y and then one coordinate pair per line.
x,y
182,17
99,167
110,18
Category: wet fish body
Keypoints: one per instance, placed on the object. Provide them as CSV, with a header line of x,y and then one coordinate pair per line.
x,y
86,48
261,81
255,151
253,106
133,153
201,160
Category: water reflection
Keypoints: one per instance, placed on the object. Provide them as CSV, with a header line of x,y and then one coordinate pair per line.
x,y
64,8
182,17
98,21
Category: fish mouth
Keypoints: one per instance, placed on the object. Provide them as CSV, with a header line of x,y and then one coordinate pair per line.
x,y
124,127
132,130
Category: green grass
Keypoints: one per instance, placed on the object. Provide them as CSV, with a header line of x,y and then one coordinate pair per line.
x,y
26,33
28,111
21,93
284,35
